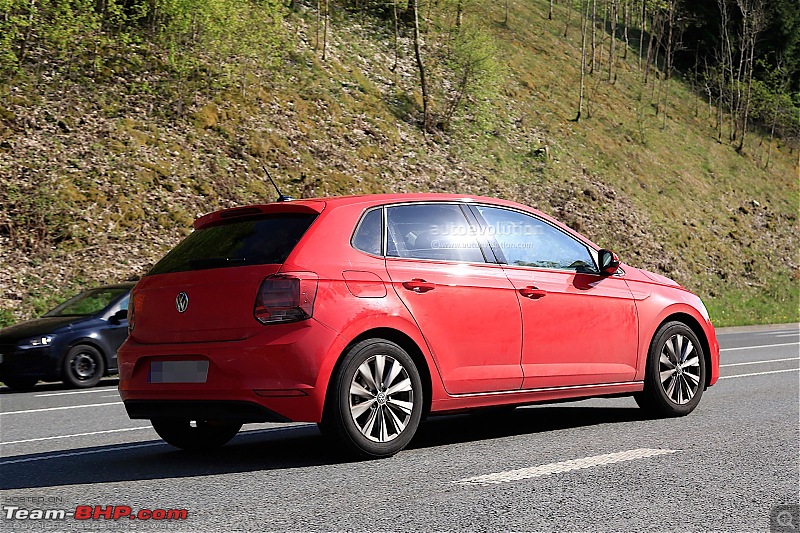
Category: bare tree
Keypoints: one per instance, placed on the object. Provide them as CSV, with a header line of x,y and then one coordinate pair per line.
x,y
549,13
626,15
583,60
569,16
426,121
325,34
668,53
753,22
396,37
613,44
594,27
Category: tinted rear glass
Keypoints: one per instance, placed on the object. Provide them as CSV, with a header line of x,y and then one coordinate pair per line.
x,y
261,241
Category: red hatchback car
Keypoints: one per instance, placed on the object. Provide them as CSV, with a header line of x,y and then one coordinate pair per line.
x,y
367,313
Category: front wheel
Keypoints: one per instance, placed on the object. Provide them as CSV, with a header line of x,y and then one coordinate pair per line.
x,y
676,372
83,366
194,434
377,400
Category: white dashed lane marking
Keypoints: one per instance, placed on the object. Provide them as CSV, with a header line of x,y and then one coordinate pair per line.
x,y
759,346
562,466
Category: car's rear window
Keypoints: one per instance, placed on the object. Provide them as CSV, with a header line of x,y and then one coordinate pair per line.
x,y
260,241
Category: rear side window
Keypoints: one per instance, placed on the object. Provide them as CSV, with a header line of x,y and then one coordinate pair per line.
x,y
368,237
259,241
431,231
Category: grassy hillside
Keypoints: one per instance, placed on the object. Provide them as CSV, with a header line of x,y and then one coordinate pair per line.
x,y
102,169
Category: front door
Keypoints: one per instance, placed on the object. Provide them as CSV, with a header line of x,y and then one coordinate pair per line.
x,y
579,327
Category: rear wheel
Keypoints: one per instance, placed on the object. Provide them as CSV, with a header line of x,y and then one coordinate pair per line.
x,y
83,366
20,384
376,402
195,434
676,372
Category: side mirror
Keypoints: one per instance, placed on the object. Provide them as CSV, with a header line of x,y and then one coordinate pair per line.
x,y
119,316
609,262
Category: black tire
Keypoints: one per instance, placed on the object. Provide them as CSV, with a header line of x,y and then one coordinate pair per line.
x,y
675,376
195,435
382,419
83,366
20,384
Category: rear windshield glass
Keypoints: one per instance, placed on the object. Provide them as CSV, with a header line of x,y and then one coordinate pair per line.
x,y
261,241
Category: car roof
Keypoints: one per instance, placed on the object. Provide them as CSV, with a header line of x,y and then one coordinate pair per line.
x,y
317,205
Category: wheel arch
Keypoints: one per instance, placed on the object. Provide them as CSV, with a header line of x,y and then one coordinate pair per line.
x,y
692,323
88,341
406,343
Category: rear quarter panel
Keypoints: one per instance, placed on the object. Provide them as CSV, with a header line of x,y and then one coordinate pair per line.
x,y
326,250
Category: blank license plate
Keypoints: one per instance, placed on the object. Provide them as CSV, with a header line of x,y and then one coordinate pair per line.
x,y
178,372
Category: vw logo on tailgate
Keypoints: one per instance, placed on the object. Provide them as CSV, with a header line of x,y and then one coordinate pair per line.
x,y
181,302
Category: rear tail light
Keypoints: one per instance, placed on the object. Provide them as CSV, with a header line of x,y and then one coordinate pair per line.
x,y
286,297
131,315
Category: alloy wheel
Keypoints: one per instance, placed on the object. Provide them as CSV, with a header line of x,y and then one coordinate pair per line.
x,y
381,398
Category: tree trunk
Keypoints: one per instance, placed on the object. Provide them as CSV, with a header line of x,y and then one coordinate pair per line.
x,y
594,27
613,41
583,60
421,66
668,58
626,14
549,13
569,16
396,38
319,24
325,34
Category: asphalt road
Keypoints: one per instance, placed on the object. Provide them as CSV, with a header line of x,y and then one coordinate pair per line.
x,y
595,465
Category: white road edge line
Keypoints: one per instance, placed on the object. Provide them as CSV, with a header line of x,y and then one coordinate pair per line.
x,y
47,394
85,452
562,466
133,446
760,346
760,362
759,373
75,435
60,408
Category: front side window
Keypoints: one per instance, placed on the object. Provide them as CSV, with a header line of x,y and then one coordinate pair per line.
x,y
88,303
431,231
528,241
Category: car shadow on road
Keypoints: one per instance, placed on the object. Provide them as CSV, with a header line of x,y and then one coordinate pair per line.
x,y
41,387
279,448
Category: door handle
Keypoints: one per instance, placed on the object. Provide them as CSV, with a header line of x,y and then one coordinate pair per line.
x,y
419,285
533,292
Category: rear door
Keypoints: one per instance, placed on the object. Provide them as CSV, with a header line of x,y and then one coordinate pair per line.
x,y
465,307
205,288
579,328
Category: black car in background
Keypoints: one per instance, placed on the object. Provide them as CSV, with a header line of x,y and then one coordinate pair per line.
x,y
75,343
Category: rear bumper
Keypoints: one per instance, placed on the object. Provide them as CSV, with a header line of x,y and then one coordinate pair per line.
x,y
272,377
239,411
